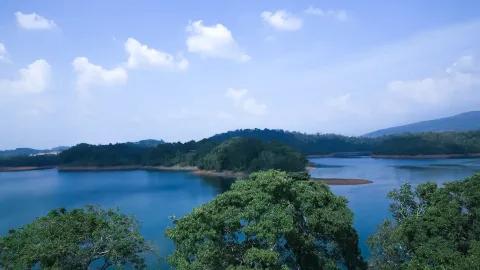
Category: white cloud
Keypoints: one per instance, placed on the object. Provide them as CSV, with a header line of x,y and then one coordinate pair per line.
x,y
214,41
89,74
246,103
236,94
3,52
340,103
252,106
461,80
465,64
282,20
33,21
35,78
337,14
140,55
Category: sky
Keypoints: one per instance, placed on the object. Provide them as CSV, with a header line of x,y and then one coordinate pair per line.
x,y
116,71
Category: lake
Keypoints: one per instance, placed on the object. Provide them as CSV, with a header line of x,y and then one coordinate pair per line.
x,y
153,196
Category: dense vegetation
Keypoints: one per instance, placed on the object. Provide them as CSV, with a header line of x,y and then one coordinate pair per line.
x,y
433,228
271,220
85,238
309,144
253,149
236,154
247,154
429,143
29,151
26,161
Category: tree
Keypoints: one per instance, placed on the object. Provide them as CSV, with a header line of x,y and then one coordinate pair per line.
x,y
76,239
271,220
250,154
433,228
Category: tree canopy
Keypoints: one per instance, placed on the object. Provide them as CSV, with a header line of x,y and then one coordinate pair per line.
x,y
271,220
277,149
429,143
247,154
433,228
76,239
236,154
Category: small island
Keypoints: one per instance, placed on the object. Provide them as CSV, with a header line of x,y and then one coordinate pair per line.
x,y
342,181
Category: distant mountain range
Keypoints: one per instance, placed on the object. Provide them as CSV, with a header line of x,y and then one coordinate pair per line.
x,y
30,152
318,144
467,121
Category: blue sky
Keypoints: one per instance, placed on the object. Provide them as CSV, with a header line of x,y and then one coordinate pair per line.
x,y
114,71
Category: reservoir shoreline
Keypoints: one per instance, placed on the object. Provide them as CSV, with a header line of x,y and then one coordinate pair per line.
x,y
25,168
380,156
191,169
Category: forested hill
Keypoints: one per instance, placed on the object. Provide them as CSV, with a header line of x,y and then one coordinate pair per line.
x,y
468,121
427,143
309,144
235,154
253,149
20,152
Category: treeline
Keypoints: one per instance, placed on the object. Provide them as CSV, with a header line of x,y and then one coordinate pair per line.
x,y
30,161
235,154
253,149
429,143
309,144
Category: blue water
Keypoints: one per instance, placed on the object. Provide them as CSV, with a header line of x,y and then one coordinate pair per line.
x,y
153,197
369,203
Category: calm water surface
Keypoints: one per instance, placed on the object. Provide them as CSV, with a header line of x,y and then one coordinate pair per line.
x,y
152,197
369,203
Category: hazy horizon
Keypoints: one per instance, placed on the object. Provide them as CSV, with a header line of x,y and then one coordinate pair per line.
x,y
115,72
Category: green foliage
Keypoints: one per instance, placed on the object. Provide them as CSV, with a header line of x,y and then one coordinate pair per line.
x,y
76,239
309,144
258,149
103,155
433,228
238,154
38,161
247,154
430,143
271,220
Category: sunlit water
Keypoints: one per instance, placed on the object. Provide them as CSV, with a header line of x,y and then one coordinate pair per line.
x,y
153,197
369,203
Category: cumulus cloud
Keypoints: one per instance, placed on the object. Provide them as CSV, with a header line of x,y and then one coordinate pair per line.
x,y
214,41
236,94
461,80
33,21
140,55
245,102
3,52
337,14
252,106
340,103
35,78
282,20
89,74
465,64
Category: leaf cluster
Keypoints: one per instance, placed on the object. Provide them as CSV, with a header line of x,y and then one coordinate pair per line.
x,y
433,228
271,220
